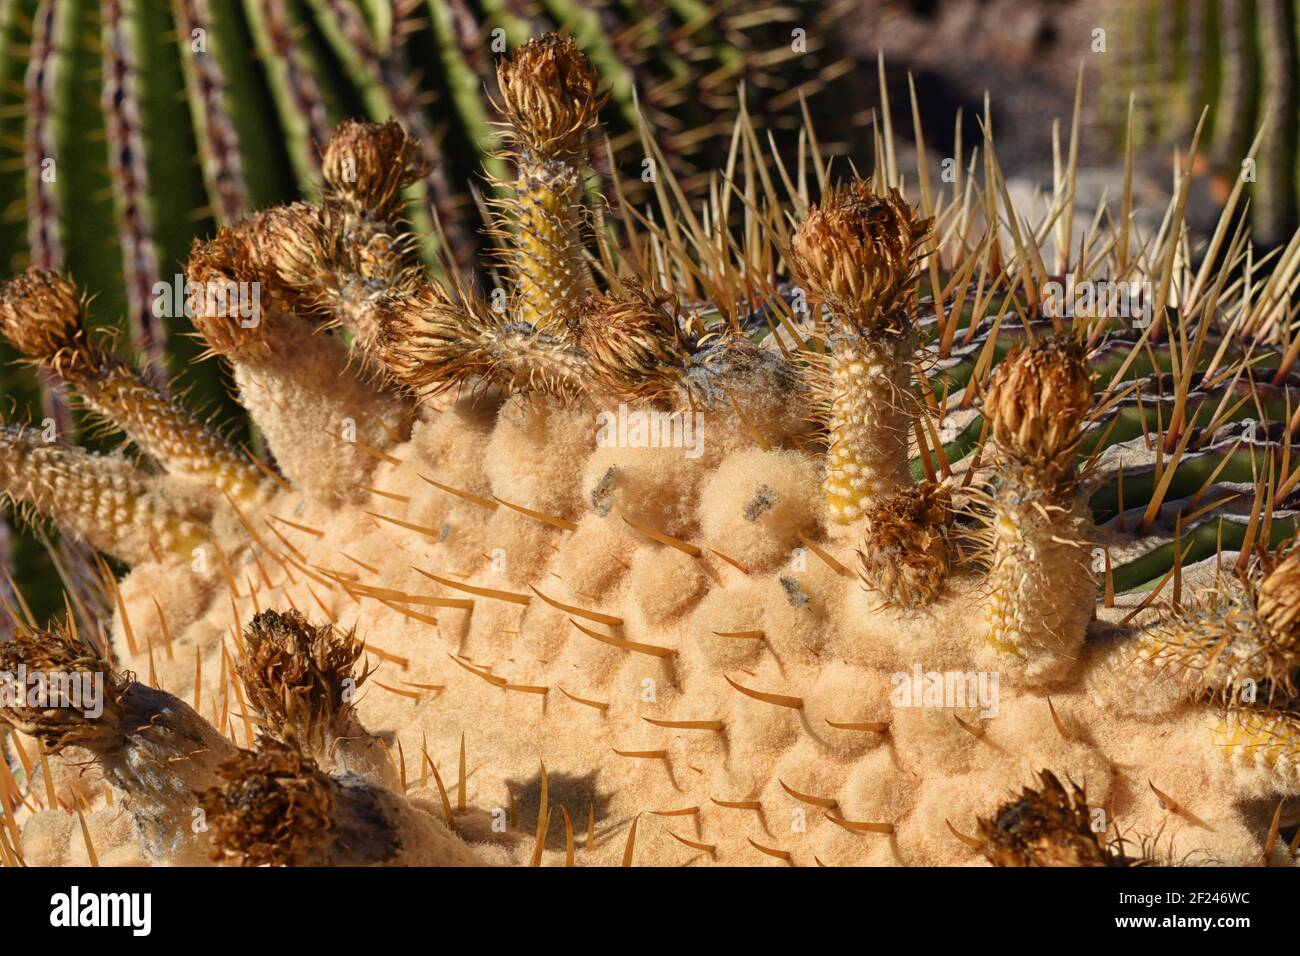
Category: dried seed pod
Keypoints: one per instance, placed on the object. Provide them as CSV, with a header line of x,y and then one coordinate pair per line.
x,y
43,315
1048,826
276,806
906,552
366,165
551,97
1036,404
857,252
150,745
635,345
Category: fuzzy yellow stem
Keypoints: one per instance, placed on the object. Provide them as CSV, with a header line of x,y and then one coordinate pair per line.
x,y
551,271
1041,587
99,499
166,430
871,417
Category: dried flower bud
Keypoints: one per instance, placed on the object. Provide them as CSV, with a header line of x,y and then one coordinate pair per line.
x,y
857,251
905,552
550,96
1038,399
431,341
368,164
1278,601
1049,826
299,677
635,345
251,264
62,660
276,807
43,316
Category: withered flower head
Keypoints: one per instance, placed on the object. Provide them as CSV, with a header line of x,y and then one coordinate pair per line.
x,y
857,251
299,677
251,264
431,341
275,807
427,340
368,164
43,316
60,719
1050,826
1037,401
905,553
1278,602
550,94
634,343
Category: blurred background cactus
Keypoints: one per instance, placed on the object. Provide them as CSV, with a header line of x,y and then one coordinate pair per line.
x,y
1238,60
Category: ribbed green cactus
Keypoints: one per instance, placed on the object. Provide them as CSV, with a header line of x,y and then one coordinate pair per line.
x,y
1236,58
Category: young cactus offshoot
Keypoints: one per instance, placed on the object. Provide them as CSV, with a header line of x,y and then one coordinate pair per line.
x,y
1041,588
858,252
